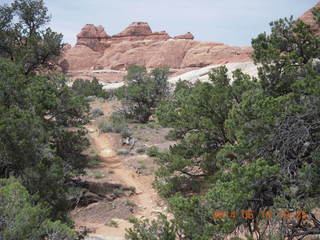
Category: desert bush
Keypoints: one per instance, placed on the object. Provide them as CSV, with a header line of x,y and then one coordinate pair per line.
x,y
22,219
142,165
152,151
112,223
118,121
105,126
143,91
96,175
123,152
153,125
93,161
140,150
118,192
125,133
88,88
130,203
159,229
97,112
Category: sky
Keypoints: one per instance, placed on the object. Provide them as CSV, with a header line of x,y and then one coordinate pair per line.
x,y
233,22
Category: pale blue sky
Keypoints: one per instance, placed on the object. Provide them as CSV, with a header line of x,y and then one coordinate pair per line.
x,y
233,22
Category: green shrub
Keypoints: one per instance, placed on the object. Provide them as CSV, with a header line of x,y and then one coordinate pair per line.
x,y
160,228
123,152
142,165
152,151
118,192
93,161
88,88
96,175
130,203
112,223
153,125
21,218
172,135
91,98
118,121
97,112
144,91
125,133
140,150
105,126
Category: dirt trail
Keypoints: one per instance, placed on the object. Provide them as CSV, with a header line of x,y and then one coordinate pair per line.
x,y
146,198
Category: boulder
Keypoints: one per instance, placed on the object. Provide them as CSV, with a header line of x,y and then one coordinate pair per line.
x,y
188,35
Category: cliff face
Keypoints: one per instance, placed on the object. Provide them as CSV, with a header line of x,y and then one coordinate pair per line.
x,y
137,44
308,18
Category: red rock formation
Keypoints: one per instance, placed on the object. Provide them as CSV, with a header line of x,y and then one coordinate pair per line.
x,y
137,44
91,37
79,57
136,29
188,35
139,31
66,46
307,17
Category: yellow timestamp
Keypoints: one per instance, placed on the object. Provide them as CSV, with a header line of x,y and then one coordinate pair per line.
x,y
265,214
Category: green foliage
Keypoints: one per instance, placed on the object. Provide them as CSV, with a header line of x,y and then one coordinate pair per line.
x,y
24,38
143,91
96,175
123,152
117,123
125,133
152,151
235,189
250,144
118,192
198,115
112,223
130,203
93,161
21,220
140,150
89,88
36,143
97,112
284,55
104,126
193,218
160,229
42,134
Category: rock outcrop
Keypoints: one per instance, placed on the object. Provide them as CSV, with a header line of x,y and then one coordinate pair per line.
x,y
107,57
91,36
136,29
137,44
188,35
308,18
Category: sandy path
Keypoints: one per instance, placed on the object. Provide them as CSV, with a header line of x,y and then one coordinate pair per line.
x,y
145,198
